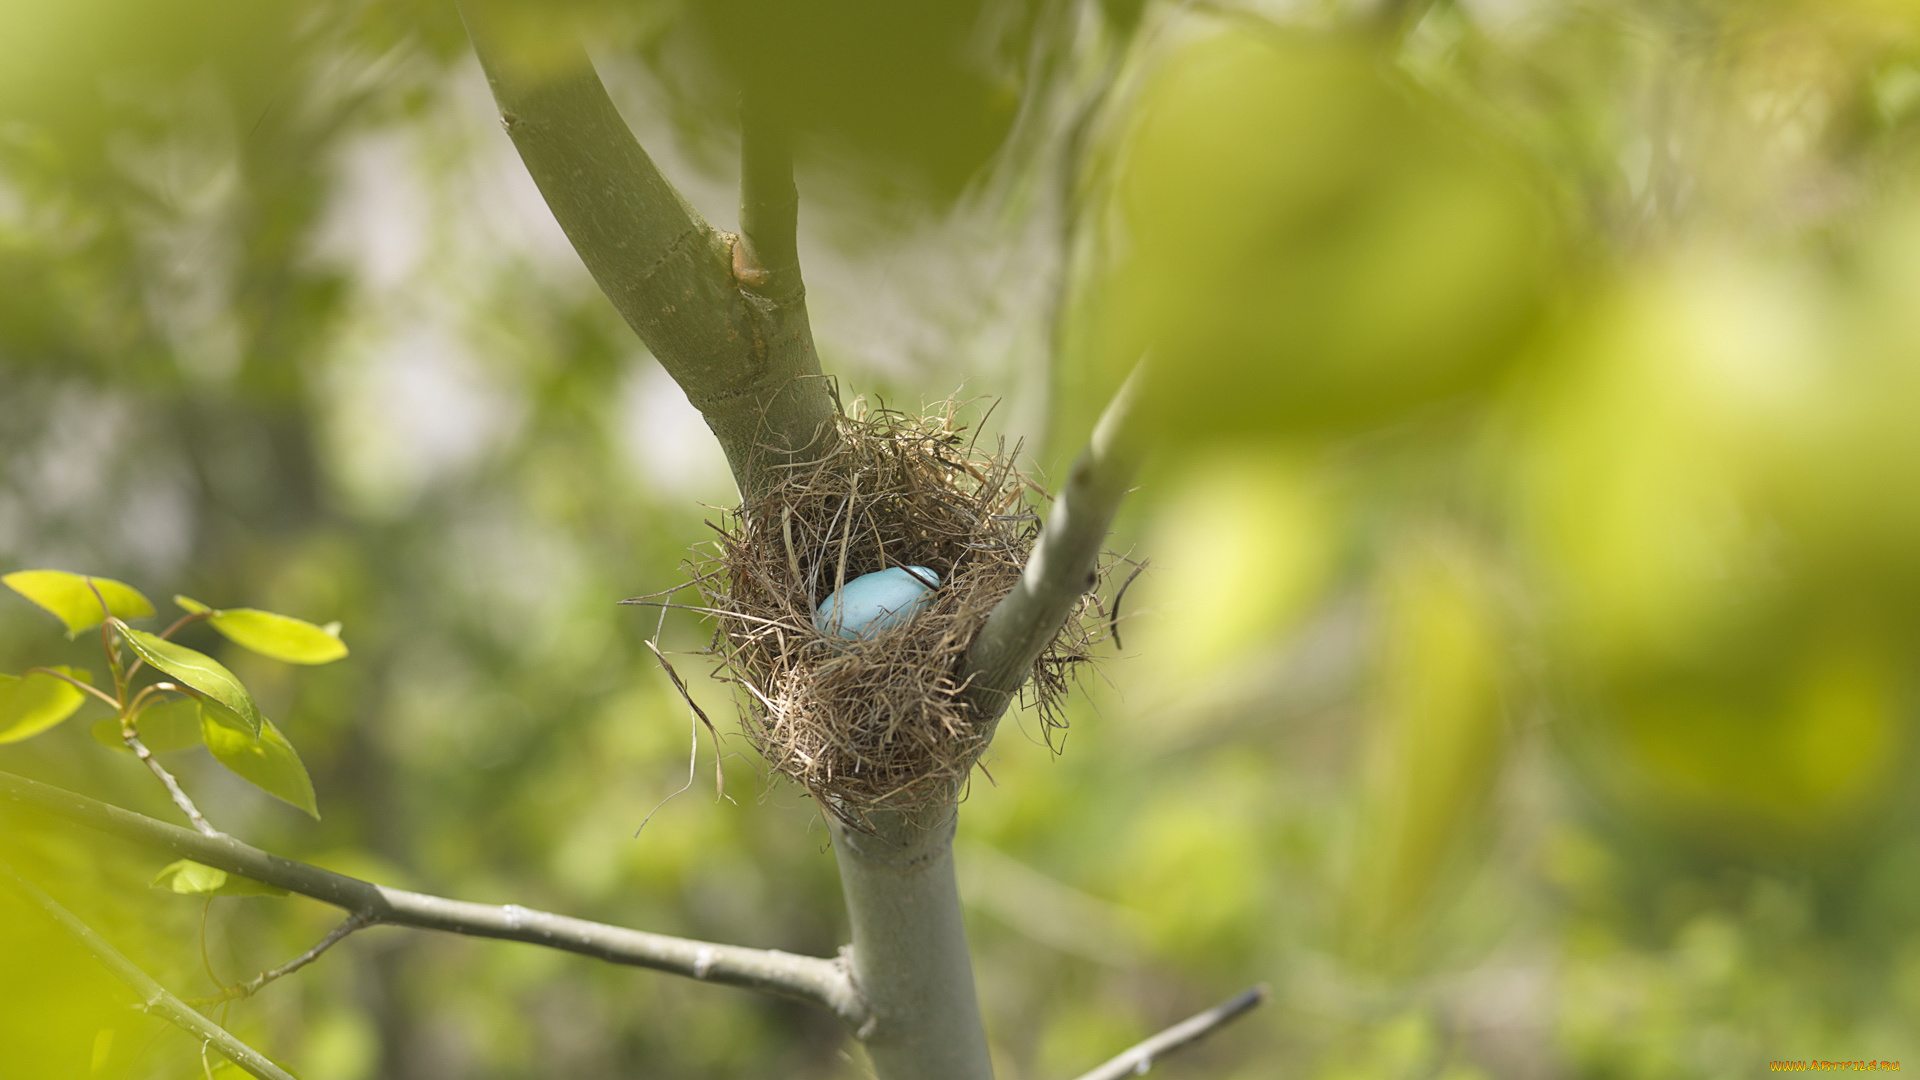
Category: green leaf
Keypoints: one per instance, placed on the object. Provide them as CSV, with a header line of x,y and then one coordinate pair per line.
x,y
268,762
192,606
31,705
190,878
281,637
166,727
71,598
196,669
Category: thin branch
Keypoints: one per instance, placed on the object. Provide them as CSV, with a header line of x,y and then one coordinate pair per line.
x,y
806,978
1061,567
174,791
154,998
1137,1061
768,259
95,691
353,922
188,619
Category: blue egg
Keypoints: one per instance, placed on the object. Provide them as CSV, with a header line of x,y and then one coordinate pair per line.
x,y
872,604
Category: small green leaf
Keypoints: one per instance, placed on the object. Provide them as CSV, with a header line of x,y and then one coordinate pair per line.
x,y
166,727
70,597
268,762
191,606
196,669
31,705
281,637
190,878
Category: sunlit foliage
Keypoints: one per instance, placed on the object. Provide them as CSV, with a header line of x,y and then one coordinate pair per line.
x,y
1521,681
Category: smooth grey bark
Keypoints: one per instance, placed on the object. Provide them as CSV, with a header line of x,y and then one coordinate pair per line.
x,y
1061,568
910,958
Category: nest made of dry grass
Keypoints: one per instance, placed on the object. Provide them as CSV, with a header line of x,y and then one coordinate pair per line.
x,y
882,723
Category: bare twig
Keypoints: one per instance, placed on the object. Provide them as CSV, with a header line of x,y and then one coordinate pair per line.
x,y
806,978
1137,1061
154,998
1061,567
174,791
355,921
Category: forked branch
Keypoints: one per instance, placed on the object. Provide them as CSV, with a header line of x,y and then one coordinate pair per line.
x,y
823,982
154,998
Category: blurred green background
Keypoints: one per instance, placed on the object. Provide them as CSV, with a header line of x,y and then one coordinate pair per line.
x,y
1522,684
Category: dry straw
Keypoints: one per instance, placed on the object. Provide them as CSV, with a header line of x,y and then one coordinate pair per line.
x,y
884,723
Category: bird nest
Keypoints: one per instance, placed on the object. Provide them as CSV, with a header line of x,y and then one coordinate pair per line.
x,y
884,723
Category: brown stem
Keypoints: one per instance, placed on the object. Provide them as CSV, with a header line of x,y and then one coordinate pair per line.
x,y
63,676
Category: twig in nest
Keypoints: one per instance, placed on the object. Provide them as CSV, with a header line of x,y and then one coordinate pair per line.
x,y
1113,619
719,776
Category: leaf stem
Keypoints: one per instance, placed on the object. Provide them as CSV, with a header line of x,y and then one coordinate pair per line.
x,y
138,660
120,675
188,619
95,691
135,708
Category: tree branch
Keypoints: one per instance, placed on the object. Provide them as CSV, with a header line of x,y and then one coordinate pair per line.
x,y
769,203
909,952
1061,567
154,998
746,360
1137,1061
822,982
